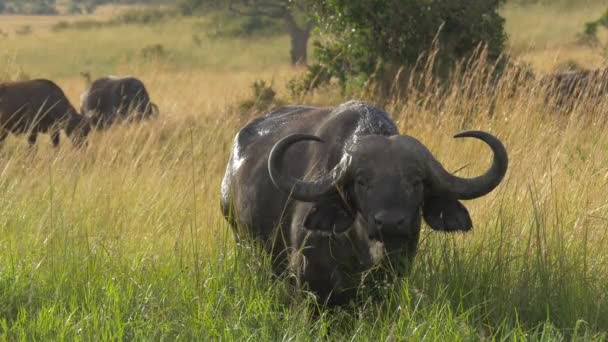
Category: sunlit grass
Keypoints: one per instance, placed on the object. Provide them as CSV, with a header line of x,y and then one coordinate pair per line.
x,y
125,239
186,43
547,37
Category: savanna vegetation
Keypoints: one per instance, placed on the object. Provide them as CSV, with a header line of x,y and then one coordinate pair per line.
x,y
125,239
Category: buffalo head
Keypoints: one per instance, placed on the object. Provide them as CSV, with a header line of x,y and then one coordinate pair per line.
x,y
386,182
77,128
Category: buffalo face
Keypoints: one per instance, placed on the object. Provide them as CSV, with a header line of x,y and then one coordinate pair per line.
x,y
383,185
78,128
386,188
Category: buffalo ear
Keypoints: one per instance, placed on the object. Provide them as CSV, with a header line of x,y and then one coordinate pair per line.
x,y
446,214
328,216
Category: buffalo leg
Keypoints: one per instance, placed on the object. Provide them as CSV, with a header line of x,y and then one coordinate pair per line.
x,y
55,138
31,139
3,136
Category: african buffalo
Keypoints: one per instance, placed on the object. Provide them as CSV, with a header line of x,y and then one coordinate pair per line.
x,y
39,106
113,99
565,89
361,206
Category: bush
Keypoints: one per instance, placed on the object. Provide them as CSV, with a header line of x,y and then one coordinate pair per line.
x,y
36,7
301,85
131,17
190,7
589,35
156,51
143,16
264,98
78,25
222,23
356,45
23,30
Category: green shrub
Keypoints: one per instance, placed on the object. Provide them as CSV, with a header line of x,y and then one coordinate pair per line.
x,y
362,38
143,16
36,7
190,7
23,30
155,51
264,98
131,17
301,85
224,23
589,35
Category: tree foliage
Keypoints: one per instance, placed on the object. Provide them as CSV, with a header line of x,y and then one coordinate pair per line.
x,y
74,6
360,36
591,27
29,6
292,13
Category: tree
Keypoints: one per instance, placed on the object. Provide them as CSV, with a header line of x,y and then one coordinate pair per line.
x,y
35,7
291,12
364,35
590,33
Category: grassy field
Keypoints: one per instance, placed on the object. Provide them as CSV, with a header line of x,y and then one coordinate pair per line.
x,y
125,240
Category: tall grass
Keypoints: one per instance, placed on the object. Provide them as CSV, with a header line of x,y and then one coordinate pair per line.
x,y
189,43
125,239
549,36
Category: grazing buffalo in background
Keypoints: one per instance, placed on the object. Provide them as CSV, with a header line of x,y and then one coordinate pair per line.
x,y
566,89
114,99
39,106
362,204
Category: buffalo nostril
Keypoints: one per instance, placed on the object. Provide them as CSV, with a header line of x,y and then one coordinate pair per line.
x,y
385,218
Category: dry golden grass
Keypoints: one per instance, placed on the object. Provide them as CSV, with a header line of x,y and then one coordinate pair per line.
x,y
134,220
547,37
125,239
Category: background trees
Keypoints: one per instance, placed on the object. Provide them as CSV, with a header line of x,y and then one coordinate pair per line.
x,y
292,13
591,27
361,37
74,6
28,7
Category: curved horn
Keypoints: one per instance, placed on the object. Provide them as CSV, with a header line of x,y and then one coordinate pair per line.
x,y
301,190
469,188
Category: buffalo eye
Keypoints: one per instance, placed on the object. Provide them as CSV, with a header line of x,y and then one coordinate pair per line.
x,y
362,178
361,181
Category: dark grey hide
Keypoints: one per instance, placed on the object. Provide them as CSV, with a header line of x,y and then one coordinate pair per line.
x,y
114,99
39,106
565,90
361,203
